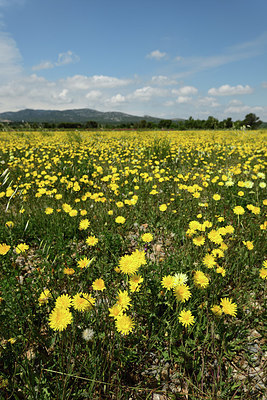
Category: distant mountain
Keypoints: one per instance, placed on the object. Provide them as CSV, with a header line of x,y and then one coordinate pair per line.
x,y
75,115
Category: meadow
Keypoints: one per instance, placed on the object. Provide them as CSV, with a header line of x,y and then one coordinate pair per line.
x,y
133,265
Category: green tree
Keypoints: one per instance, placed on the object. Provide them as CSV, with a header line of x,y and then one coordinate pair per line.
x,y
252,121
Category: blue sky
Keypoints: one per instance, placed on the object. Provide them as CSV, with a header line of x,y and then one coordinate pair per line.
x,y
171,58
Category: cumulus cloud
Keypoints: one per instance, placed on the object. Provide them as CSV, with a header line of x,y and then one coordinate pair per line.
x,y
43,65
162,80
227,90
185,91
207,102
84,82
63,59
117,99
157,55
183,99
10,60
243,109
67,58
264,85
148,92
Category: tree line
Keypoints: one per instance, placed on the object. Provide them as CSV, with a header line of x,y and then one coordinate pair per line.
x,y
251,121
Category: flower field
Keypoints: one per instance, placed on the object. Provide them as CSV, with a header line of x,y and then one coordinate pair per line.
x,y
133,265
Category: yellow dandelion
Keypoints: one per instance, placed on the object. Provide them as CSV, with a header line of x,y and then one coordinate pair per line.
x,y
92,241
238,210
200,279
63,301
59,319
99,284
44,297
199,240
21,248
168,282
186,318
124,324
147,237
4,249
182,293
120,220
84,224
123,299
83,301
68,271
228,307
216,310
263,273
115,310
163,207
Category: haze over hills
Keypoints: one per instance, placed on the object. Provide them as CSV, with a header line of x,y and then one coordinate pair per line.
x,y
73,115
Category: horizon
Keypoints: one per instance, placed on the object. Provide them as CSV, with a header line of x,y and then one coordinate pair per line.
x,y
164,61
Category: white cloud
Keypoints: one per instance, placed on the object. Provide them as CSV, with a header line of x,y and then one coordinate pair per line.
x,y
156,54
185,91
93,94
162,80
148,92
264,85
207,102
10,60
43,65
83,82
117,99
227,90
243,109
63,59
183,99
67,58
235,102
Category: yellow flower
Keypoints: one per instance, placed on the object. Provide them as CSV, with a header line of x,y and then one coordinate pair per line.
x,y
66,207
248,244
182,293
84,223
120,220
199,240
147,237
91,241
73,213
124,324
49,210
168,282
21,248
216,197
239,210
44,297
186,318
83,263
59,319
83,301
115,310
200,279
263,273
123,299
228,307
209,260
216,310
99,284
69,271
221,270
4,248
63,301
163,207
9,224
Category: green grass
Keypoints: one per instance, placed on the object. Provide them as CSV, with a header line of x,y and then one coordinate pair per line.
x,y
217,357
